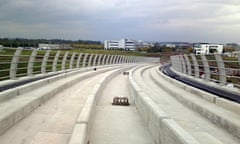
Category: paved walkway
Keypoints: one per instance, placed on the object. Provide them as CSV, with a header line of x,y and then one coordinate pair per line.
x,y
52,123
118,124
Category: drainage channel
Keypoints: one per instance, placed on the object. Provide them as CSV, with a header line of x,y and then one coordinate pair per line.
x,y
118,123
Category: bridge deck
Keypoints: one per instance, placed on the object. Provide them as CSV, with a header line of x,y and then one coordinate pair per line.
x,y
54,121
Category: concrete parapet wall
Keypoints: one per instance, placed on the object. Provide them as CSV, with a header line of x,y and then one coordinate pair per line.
x,y
229,105
134,90
174,134
79,135
163,129
218,115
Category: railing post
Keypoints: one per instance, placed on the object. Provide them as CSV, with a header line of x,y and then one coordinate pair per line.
x,y
131,59
14,63
119,59
111,58
189,69
44,62
64,60
55,61
128,59
180,64
206,68
95,59
184,70
173,63
122,59
176,63
79,60
221,69
85,59
114,59
108,58
125,59
90,60
104,59
180,68
31,62
238,56
196,66
72,60
99,60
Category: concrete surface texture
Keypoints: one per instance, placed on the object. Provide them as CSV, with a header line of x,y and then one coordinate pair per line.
x,y
159,112
192,122
52,123
118,124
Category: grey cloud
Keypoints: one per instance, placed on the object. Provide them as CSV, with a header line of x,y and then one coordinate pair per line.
x,y
103,19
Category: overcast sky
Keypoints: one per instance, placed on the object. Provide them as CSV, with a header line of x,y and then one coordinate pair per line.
x,y
157,20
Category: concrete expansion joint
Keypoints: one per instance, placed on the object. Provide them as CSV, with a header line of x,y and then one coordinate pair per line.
x,y
62,133
81,122
165,117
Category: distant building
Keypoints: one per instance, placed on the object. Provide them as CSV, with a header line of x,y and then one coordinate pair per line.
x,y
111,44
128,44
48,46
170,45
124,44
42,46
205,48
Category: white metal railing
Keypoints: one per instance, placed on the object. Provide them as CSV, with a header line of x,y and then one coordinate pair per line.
x,y
222,69
15,63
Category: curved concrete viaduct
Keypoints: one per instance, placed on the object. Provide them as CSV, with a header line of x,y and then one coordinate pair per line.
x,y
76,108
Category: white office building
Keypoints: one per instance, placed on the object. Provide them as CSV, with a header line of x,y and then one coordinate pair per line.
x,y
111,44
124,44
45,46
204,48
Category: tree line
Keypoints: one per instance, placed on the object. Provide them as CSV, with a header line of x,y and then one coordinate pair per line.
x,y
22,42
